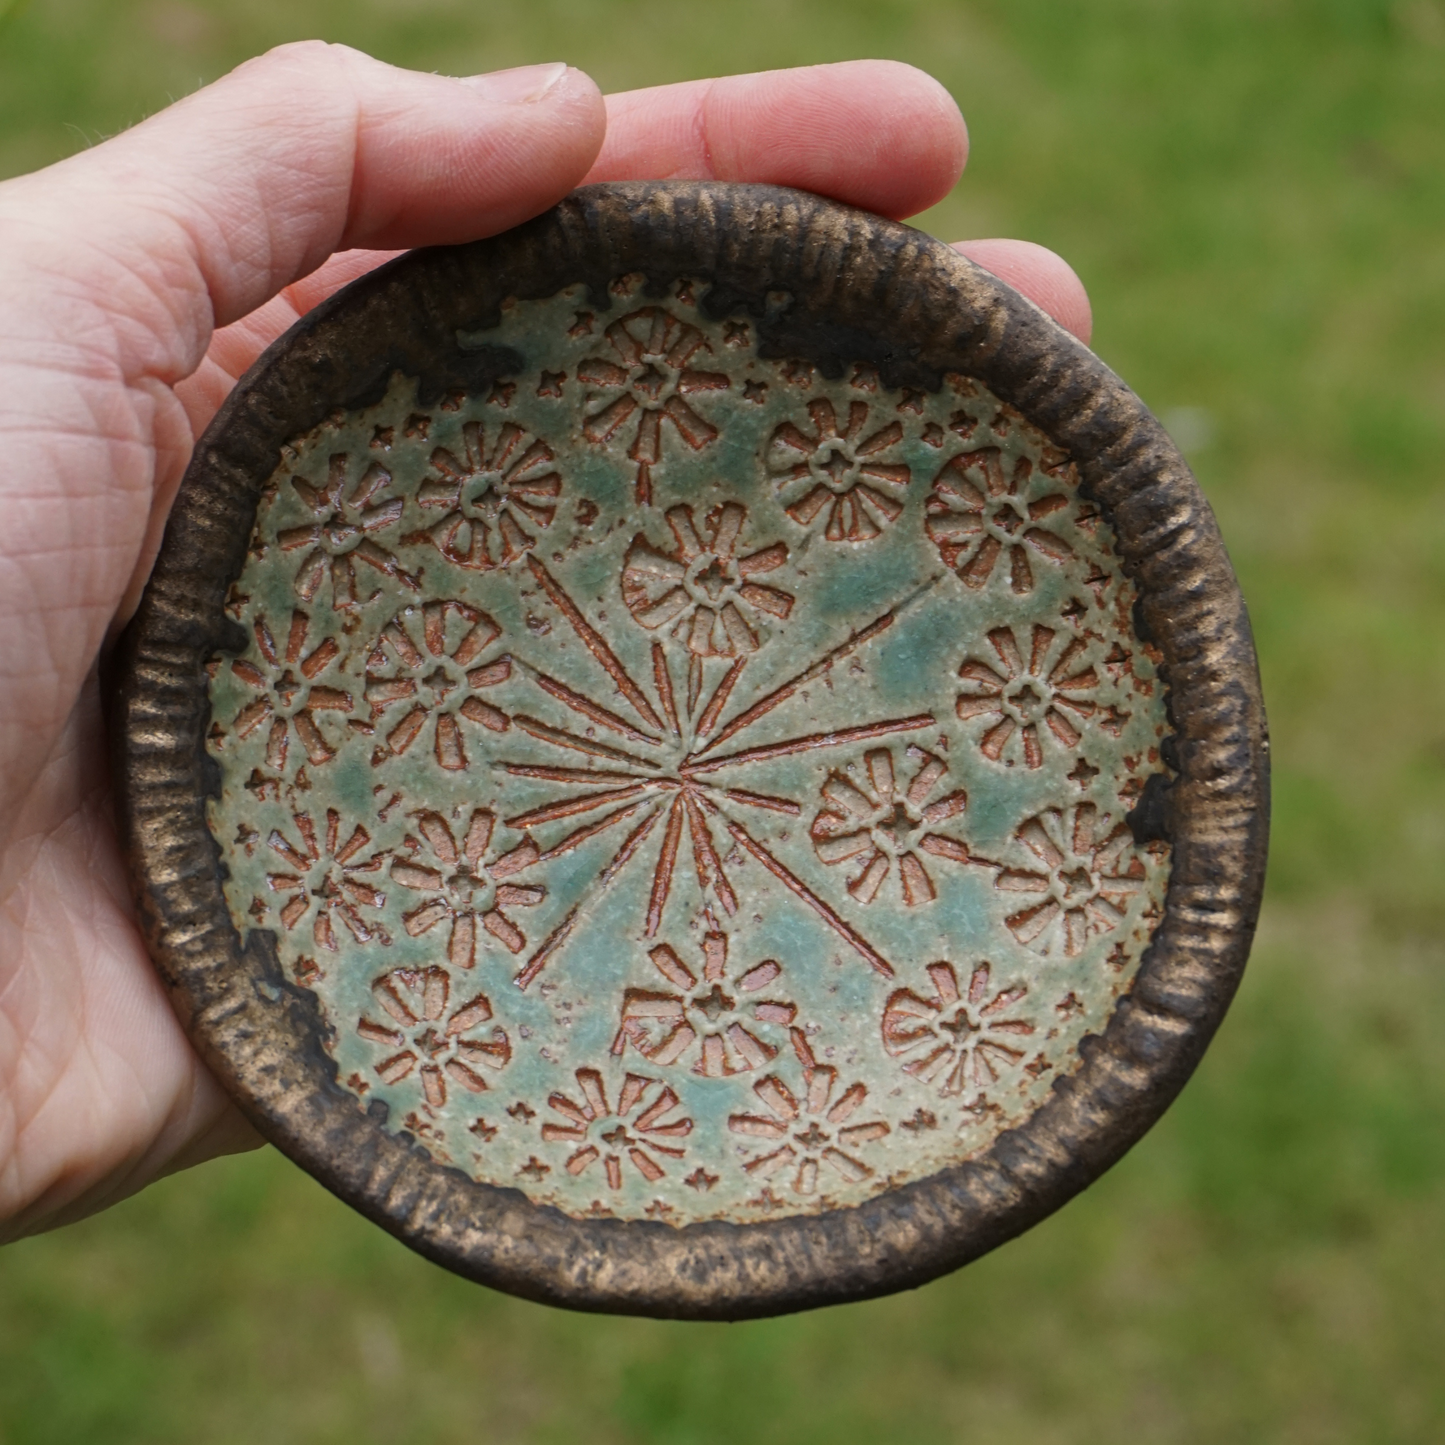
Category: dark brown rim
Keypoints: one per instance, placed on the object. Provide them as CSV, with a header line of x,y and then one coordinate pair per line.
x,y
859,289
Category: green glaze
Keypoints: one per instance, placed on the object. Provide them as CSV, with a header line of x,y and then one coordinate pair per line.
x,y
570,954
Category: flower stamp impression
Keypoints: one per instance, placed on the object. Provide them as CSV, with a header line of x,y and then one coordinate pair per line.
x,y
700,757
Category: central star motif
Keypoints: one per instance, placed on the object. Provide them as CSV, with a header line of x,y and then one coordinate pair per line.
x,y
666,767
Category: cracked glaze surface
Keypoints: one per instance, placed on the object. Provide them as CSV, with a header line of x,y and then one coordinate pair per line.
x,y
693,788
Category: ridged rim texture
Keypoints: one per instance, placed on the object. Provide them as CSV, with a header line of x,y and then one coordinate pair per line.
x,y
861,289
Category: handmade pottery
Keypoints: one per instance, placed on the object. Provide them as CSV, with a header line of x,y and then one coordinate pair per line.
x,y
699,757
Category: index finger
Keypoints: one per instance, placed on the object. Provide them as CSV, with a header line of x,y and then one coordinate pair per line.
x,y
872,133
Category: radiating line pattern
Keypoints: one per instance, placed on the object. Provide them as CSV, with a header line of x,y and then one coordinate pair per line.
x,y
665,779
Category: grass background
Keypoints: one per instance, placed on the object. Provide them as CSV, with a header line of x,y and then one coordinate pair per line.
x,y
1254,191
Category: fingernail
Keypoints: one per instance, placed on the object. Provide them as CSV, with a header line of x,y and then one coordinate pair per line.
x,y
517,87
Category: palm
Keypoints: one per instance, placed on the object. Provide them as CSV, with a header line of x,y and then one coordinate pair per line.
x,y
112,369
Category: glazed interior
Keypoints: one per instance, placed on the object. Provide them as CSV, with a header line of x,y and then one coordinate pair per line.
x,y
693,787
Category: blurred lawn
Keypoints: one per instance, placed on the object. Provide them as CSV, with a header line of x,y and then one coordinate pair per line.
x,y
1254,191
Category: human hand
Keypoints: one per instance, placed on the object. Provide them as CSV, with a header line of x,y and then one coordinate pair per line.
x,y
143,277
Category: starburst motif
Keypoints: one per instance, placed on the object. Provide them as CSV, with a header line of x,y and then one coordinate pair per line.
x,y
460,887
343,532
423,1037
868,820
327,877
438,674
290,695
650,375
1090,871
672,772
956,1041
1017,696
840,467
812,1130
710,1016
494,500
639,1129
699,589
977,515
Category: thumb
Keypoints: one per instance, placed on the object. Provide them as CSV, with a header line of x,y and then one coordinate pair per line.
x,y
118,264
243,187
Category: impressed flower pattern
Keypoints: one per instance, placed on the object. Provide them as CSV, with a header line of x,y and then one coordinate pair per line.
x,y
642,1129
1089,872
421,1034
814,1129
1017,697
841,467
712,1020
343,532
984,511
699,589
328,879
868,821
432,677
956,1039
289,697
494,499
458,887
650,377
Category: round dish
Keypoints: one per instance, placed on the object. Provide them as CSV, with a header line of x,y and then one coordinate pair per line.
x,y
700,757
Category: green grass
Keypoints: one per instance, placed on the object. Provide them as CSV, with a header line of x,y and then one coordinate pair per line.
x,y
1255,194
